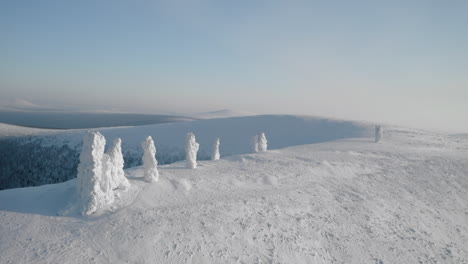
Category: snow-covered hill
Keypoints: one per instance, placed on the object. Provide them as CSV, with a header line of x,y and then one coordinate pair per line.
x,y
221,114
53,156
404,200
235,133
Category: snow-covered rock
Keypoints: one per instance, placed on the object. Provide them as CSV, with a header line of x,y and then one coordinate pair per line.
x,y
191,149
150,164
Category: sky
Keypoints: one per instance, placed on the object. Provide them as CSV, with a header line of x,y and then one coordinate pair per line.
x,y
399,62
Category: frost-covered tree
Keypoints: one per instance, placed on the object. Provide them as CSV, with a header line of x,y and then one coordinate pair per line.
x,y
191,149
254,143
215,155
378,133
150,164
106,179
118,175
91,195
262,142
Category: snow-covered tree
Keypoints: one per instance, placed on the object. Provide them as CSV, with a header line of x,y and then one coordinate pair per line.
x,y
262,142
150,164
254,143
106,179
118,175
191,149
215,155
378,133
90,169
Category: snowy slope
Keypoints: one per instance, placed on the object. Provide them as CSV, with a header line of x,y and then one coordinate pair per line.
x,y
403,200
235,133
51,158
7,130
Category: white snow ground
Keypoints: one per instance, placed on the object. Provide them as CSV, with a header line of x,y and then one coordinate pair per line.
x,y
404,200
7,130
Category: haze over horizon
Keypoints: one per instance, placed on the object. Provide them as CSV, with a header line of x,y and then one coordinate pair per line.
x,y
395,62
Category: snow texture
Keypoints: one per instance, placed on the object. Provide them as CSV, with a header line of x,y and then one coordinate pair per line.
x,y
215,154
106,180
150,164
262,142
378,133
118,175
254,144
191,149
92,186
403,200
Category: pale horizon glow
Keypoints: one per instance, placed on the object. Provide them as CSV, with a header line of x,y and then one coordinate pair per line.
x,y
397,62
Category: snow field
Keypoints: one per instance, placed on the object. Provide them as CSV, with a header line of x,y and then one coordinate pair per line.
x,y
403,200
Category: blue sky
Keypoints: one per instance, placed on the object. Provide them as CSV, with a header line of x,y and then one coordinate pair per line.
x,y
403,62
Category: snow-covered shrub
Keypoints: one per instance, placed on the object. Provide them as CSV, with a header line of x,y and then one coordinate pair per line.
x,y
91,193
254,143
215,155
150,164
191,149
118,175
378,133
262,142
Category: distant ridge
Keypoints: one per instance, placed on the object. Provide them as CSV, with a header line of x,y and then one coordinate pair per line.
x,y
221,114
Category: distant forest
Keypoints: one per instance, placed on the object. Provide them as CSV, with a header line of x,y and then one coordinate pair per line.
x,y
25,161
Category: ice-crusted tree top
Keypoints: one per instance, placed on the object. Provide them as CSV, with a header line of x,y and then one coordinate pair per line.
x,y
90,172
215,154
93,147
149,160
148,145
191,142
191,149
262,142
117,172
115,152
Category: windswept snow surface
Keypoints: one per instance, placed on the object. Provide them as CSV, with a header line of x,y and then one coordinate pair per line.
x,y
403,200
